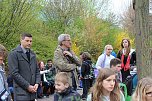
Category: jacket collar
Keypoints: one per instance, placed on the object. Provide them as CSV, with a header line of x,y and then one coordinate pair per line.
x,y
20,50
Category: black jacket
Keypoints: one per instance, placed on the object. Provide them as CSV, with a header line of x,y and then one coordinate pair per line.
x,y
67,95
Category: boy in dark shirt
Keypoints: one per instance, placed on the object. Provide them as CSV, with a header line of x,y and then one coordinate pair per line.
x,y
64,90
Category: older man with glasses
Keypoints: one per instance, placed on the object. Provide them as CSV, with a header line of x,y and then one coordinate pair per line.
x,y
65,60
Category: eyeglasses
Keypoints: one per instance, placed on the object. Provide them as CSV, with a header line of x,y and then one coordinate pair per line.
x,y
149,94
109,49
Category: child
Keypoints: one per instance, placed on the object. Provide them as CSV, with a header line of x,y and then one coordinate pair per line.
x,y
63,88
143,90
86,73
116,65
106,87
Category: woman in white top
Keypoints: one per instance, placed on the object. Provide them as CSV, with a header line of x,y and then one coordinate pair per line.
x,y
105,58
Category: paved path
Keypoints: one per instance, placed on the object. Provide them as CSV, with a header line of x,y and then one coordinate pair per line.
x,y
51,97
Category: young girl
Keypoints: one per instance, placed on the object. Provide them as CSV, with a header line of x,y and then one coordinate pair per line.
x,y
127,57
85,72
143,90
105,87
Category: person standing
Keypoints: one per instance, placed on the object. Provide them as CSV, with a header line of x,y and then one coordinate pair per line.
x,y
24,70
86,73
127,57
65,60
4,91
104,59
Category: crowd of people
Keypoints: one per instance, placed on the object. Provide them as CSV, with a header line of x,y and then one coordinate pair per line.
x,y
29,79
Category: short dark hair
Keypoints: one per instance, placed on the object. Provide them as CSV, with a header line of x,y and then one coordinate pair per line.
x,y
114,62
25,34
49,60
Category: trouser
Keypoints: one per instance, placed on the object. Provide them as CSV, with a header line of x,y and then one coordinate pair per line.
x,y
86,86
48,86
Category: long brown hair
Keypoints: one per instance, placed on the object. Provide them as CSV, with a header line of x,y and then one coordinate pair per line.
x,y
129,45
96,90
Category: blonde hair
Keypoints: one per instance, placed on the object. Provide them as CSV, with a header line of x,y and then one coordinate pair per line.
x,y
105,48
62,77
142,86
96,90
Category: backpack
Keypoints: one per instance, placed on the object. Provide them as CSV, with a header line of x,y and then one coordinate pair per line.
x,y
91,74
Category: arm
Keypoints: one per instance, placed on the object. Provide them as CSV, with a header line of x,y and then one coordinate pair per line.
x,y
38,76
72,57
76,60
14,70
100,61
44,71
119,55
83,69
133,58
61,62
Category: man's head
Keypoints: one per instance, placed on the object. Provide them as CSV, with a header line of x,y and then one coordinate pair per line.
x,y
62,81
64,40
26,40
49,63
115,64
3,54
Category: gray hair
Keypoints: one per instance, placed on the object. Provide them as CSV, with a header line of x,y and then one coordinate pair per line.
x,y
62,37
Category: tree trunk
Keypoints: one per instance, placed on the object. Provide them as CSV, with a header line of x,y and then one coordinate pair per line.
x,y
144,64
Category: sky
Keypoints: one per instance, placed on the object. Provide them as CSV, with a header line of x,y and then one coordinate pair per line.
x,y
119,6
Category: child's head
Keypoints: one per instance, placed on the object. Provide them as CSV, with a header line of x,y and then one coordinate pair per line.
x,y
115,64
105,82
86,56
143,90
62,81
49,62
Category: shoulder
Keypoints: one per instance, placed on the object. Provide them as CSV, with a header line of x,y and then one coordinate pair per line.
x,y
58,48
111,56
74,96
101,56
132,51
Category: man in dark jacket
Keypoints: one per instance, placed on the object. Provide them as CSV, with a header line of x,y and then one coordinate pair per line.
x,y
4,92
24,69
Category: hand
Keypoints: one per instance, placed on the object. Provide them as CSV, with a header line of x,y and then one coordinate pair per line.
x,y
35,87
31,89
67,53
80,77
